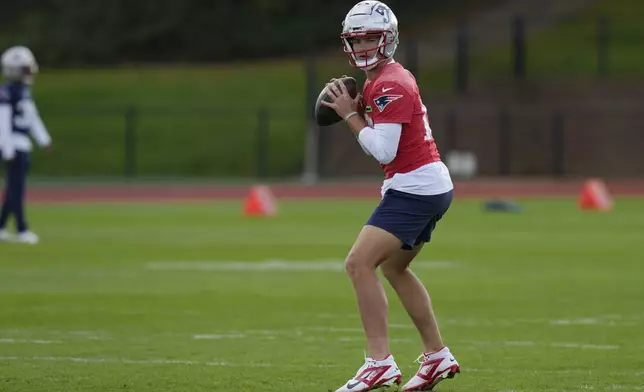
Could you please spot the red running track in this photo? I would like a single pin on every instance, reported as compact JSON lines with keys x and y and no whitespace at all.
{"x":493,"y":188}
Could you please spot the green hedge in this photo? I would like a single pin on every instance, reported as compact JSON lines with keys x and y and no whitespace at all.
{"x":188,"y":121}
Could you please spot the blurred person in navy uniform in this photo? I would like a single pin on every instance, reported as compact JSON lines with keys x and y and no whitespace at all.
{"x":19,"y":120}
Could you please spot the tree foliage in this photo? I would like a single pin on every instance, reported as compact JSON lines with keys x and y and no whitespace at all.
{"x":68,"y":32}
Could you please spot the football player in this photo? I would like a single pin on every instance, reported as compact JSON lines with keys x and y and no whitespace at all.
{"x":19,"y":119}
{"x":416,"y":193}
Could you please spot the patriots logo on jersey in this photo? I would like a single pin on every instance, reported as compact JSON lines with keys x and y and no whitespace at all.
{"x":384,"y":100}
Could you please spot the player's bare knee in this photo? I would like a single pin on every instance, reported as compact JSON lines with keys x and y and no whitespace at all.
{"x":352,"y":265}
{"x":357,"y":265}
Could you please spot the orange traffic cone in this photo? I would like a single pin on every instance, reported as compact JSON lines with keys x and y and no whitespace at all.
{"x":595,"y":196}
{"x":260,"y":202}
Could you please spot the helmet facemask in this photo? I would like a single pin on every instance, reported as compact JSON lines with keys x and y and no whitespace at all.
{"x":19,"y":64}
{"x":383,"y":49}
{"x":24,"y":74}
{"x":369,"y":19}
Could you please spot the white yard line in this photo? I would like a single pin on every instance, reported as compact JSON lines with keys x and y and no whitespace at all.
{"x":184,"y":362}
{"x":219,"y":336}
{"x":75,"y":335}
{"x":529,"y":343}
{"x":585,"y":346}
{"x":306,"y":333}
{"x":332,"y":265}
{"x":28,"y":341}
{"x":153,"y":361}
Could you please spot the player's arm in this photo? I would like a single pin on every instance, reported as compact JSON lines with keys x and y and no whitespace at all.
{"x":380,"y":141}
{"x":394,"y":109}
{"x":37,"y":128}
{"x":356,"y":122}
{"x":363,"y":147}
{"x":6,"y":142}
{"x":392,"y":106}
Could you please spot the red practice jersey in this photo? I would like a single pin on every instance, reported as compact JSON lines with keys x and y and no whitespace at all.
{"x":393,"y":97}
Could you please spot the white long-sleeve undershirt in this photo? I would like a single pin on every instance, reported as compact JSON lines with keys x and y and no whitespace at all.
{"x":381,"y":141}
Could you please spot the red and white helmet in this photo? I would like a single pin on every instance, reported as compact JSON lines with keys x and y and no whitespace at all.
{"x":370,"y":18}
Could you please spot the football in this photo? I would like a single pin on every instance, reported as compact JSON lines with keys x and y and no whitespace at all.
{"x":324,"y":115}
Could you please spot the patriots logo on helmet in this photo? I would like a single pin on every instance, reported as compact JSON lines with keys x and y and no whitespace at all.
{"x":383,"y":11}
{"x":384,"y":100}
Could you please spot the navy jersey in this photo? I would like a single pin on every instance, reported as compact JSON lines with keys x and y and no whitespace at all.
{"x":16,"y":95}
{"x":19,"y":119}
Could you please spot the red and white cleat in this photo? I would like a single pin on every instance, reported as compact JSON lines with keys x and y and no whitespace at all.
{"x":373,"y":375}
{"x":434,"y":368}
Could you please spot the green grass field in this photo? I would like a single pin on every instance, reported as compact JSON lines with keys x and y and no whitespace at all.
{"x":180,"y":297}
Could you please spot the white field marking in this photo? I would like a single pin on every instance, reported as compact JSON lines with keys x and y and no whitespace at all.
{"x":585,"y":346}
{"x":520,"y":321}
{"x":266,"y":265}
{"x":473,"y":322}
{"x":182,"y":362}
{"x":73,"y":335}
{"x":349,"y":339}
{"x":64,"y":309}
{"x":581,"y":321}
{"x":302,"y":333}
{"x":603,"y":321}
{"x":528,"y":343}
{"x":335,"y":329}
{"x":123,"y":361}
{"x":299,"y":332}
{"x":305,"y":334}
{"x":332,"y":265}
{"x":29,"y":341}
{"x":72,"y":272}
{"x":587,"y":372}
{"x":126,"y":361}
{"x":265,"y":332}
{"x":87,"y":334}
{"x":343,"y":316}
{"x":342,"y":339}
{"x":219,"y":336}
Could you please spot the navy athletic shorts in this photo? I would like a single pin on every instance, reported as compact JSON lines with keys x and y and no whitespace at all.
{"x":411,"y":218}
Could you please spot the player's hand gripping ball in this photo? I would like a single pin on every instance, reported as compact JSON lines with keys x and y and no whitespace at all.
{"x":338,"y":98}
